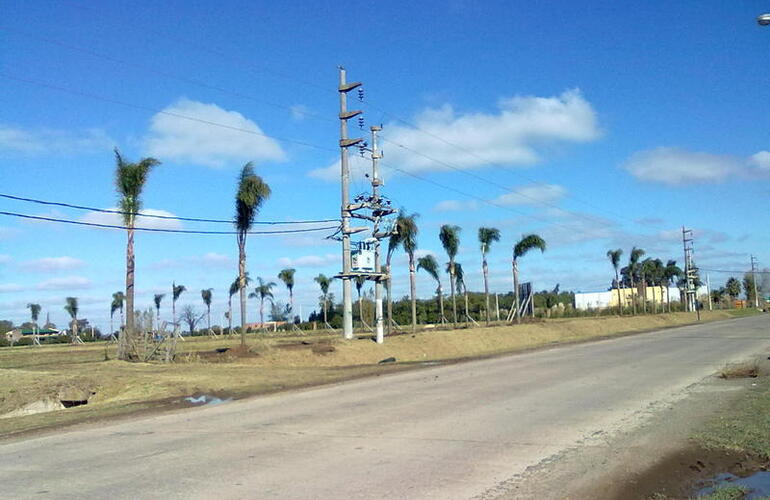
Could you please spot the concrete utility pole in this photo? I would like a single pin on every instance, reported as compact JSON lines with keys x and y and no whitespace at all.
{"x":345,"y":143}
{"x":754,"y":279}
{"x":376,"y":183}
{"x":690,"y":271}
{"x":708,"y":289}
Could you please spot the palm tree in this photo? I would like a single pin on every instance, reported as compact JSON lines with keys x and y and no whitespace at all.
{"x":176,"y":291}
{"x":633,"y":270}
{"x":394,"y":241}
{"x":129,"y":180}
{"x":653,"y":270}
{"x":113,"y":307}
{"x":119,"y":298}
{"x":429,"y":264}
{"x":287,"y":276}
{"x":34,"y":312}
{"x":407,"y":228}
{"x":525,"y":244}
{"x":324,"y":283}
{"x":614,"y":256}
{"x":360,"y":281}
{"x":252,"y":192}
{"x":486,"y":236}
{"x":264,"y":290}
{"x":71,"y":307}
{"x":232,"y":291}
{"x":450,"y":240}
{"x":206,"y":296}
{"x":670,"y":272}
{"x":460,"y":286}
{"x":157,"y":299}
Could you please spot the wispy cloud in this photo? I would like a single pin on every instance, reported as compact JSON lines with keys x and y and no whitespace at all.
{"x":45,"y":141}
{"x":519,"y":133}
{"x":52,"y":264}
{"x":174,"y":136}
{"x":66,"y":283}
{"x":535,"y":194}
{"x":310,"y":260}
{"x":149,"y":222}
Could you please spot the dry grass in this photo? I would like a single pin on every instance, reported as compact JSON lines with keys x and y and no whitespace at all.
{"x":274,"y":363}
{"x":740,"y":370}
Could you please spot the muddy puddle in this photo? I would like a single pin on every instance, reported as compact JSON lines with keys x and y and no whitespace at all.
{"x":205,"y":400}
{"x":756,"y":485}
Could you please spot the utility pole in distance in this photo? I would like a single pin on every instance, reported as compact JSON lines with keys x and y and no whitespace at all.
{"x":690,"y":272}
{"x":345,"y":143}
{"x":754,"y":279}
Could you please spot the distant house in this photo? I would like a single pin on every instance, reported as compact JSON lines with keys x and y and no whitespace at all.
{"x":17,"y":333}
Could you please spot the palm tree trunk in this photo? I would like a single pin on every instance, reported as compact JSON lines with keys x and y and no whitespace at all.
{"x":452,"y":289}
{"x":517,"y":299}
{"x":486,"y":286}
{"x":441,"y":303}
{"x":291,"y":306}
{"x":326,"y":321}
{"x":242,"y":288}
{"x":388,"y":298}
{"x":644,"y":295}
{"x":127,"y":335}
{"x":413,"y":292}
{"x":633,"y":296}
{"x":467,"y":314}
{"x":360,"y":310}
{"x":208,"y":320}
{"x":111,"y":328}
{"x":230,"y":316}
{"x":668,"y":298}
{"x":262,"y":312}
{"x":157,"y":320}
{"x":617,"y":284}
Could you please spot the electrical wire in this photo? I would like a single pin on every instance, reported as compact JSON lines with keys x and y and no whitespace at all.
{"x":159,"y":230}
{"x":154,"y":216}
{"x":749,"y":271}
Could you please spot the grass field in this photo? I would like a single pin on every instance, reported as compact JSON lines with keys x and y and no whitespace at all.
{"x":274,"y":363}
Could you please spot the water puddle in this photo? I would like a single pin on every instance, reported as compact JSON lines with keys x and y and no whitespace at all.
{"x":205,"y":399}
{"x":756,"y":485}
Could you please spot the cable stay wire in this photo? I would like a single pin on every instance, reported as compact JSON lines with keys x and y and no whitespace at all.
{"x":155,"y":216}
{"x":166,"y":74}
{"x":160,"y":230}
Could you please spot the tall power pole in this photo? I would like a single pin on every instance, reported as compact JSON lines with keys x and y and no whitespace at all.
{"x":690,"y":271}
{"x":345,"y":143}
{"x":754,"y":279}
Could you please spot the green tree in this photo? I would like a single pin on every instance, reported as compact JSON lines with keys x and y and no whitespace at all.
{"x":614,"y":256}
{"x":176,"y":291}
{"x":634,"y":268}
{"x":487,"y":235}
{"x":129,"y":180}
{"x":71,"y":306}
{"x":324,"y":283}
{"x":524,"y":245}
{"x":749,"y":289}
{"x":157,"y":299}
{"x":287,"y":276}
{"x":733,"y":288}
{"x":263,"y":291}
{"x":251,"y":194}
{"x":407,"y":229}
{"x":118,"y":299}
{"x":232,"y":291}
{"x":34,"y":312}
{"x":114,"y":306}
{"x":460,"y":286}
{"x":206,"y":295}
{"x":671,"y":273}
{"x":450,"y":240}
{"x":429,"y":265}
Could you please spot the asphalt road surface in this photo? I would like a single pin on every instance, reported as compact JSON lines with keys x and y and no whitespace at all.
{"x":456,"y":431}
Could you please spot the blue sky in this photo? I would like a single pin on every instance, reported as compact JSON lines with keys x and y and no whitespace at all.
{"x":600,"y":125}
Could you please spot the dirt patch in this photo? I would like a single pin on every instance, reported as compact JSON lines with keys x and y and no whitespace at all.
{"x":740,"y":370}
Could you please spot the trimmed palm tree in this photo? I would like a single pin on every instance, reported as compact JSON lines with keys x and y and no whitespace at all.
{"x":119,"y":298}
{"x":176,"y":291}
{"x":450,"y":240}
{"x":461,"y":288}
{"x":71,"y":306}
{"x":614,"y":256}
{"x":206,"y":295}
{"x":34,"y":312}
{"x":263,"y":291}
{"x":157,"y":299}
{"x":113,"y":307}
{"x":324,"y":283}
{"x":670,"y":272}
{"x":407,"y":228}
{"x":525,"y":244}
{"x":634,"y":267}
{"x":394,"y":241}
{"x":129,"y":181}
{"x":252,"y":193}
{"x":429,"y":265}
{"x":287,"y":276}
{"x":232,"y":291}
{"x":360,"y":281}
{"x":487,"y":235}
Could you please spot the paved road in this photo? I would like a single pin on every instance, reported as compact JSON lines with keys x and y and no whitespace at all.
{"x":446,"y":432}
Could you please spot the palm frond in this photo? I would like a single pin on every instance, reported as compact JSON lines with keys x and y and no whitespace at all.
{"x":527,"y":243}
{"x":487,"y":235}
{"x":206,"y":296}
{"x":429,"y":264}
{"x":252,"y":192}
{"x":614,"y":256}
{"x":177,"y":291}
{"x":287,"y":276}
{"x":450,"y":239}
{"x":157,"y":299}
{"x":71,"y":306}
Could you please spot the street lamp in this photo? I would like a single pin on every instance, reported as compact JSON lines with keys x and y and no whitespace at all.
{"x":763,"y":19}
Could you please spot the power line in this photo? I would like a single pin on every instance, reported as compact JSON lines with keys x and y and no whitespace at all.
{"x":158,"y":230}
{"x":154,"y":216}
{"x":731,"y":272}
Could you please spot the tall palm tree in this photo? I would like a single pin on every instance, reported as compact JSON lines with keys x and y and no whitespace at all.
{"x":264,"y":290}
{"x":394,"y":241}
{"x":34,"y":312}
{"x":633,"y":271}
{"x":252,"y":192}
{"x":119,"y":298}
{"x":232,"y":291}
{"x":324,"y":283}
{"x":157,"y":299}
{"x":206,"y":295}
{"x":429,"y":264}
{"x":670,"y":272}
{"x":113,"y":307}
{"x":71,"y":307}
{"x":487,"y":235}
{"x":176,"y":291}
{"x":287,"y":276}
{"x":450,"y":240}
{"x":460,"y":286}
{"x":525,"y":244}
{"x":407,"y":228}
{"x":129,"y":181}
{"x":614,"y":256}
{"x":360,"y":281}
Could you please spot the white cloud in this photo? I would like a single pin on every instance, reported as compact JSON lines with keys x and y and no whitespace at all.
{"x":299,"y":111}
{"x":52,"y":264}
{"x":311,"y":260}
{"x":456,"y":205}
{"x":5,"y":259}
{"x":148,"y":222}
{"x":535,"y":194}
{"x":212,"y":259}
{"x":761,"y":161}
{"x":10,"y":288}
{"x":37,"y":142}
{"x":173,"y":137}
{"x":516,"y":134}
{"x":66,"y":283}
